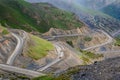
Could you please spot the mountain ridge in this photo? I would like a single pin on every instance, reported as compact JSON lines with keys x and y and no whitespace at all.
{"x":34,"y":17}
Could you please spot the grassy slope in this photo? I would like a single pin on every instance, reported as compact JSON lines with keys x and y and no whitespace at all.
{"x":37,"y":17}
{"x":38,"y":47}
{"x":3,"y":31}
{"x":117,"y":41}
{"x":93,"y":18}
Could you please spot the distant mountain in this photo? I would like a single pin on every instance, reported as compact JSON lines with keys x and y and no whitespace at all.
{"x":93,"y":4}
{"x":35,"y":17}
{"x":94,"y":18}
{"x":113,"y":10}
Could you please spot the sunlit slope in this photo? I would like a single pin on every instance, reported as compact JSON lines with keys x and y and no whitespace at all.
{"x":37,"y":48}
{"x":94,"y":18}
{"x":35,"y":17}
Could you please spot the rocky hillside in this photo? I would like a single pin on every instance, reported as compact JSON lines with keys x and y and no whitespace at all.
{"x":7,"y":44}
{"x":33,"y":54}
{"x":104,"y":70}
{"x":94,"y":18}
{"x":35,"y":17}
{"x":57,"y":32}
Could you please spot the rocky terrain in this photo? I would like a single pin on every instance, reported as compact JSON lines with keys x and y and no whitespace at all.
{"x":94,"y":18}
{"x":7,"y":44}
{"x":86,"y":39}
{"x":56,"y":32}
{"x":57,"y":44}
{"x":103,"y":70}
{"x":92,"y":39}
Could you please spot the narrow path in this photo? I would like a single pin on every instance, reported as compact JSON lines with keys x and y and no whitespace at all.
{"x":17,"y":50}
{"x":111,"y":51}
{"x":108,"y":41}
{"x":20,"y":70}
{"x":116,"y":33}
{"x":60,"y":53}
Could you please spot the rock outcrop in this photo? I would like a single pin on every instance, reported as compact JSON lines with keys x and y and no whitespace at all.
{"x":105,"y":70}
{"x":7,"y":45}
{"x":56,"y":32}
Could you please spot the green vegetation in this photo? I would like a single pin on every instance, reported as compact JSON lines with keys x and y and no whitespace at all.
{"x":117,"y":42}
{"x":44,"y":78}
{"x":38,"y":17}
{"x":70,"y":43}
{"x":87,"y":56}
{"x":38,"y":47}
{"x":3,"y":31}
{"x":87,"y":38}
{"x":91,"y":55}
{"x":65,"y":76}
{"x":22,"y":77}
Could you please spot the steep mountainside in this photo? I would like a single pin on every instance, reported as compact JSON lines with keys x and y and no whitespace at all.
{"x":113,"y":10}
{"x":94,"y":18}
{"x":35,"y":17}
{"x":104,"y":70}
{"x":32,"y":49}
{"x":7,"y":44}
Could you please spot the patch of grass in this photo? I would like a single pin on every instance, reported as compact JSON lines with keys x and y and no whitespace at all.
{"x":70,"y":43}
{"x":38,"y":47}
{"x":91,"y":55}
{"x":117,"y":41}
{"x":44,"y":78}
{"x":67,"y":75}
{"x":23,"y":77}
{"x":3,"y":30}
{"x":85,"y":59}
{"x":39,"y":17}
{"x":87,"y":38}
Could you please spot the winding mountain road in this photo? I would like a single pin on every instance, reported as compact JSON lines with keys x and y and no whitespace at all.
{"x":107,"y":42}
{"x":99,"y":45}
{"x":60,"y":36}
{"x":20,"y":70}
{"x":111,"y":51}
{"x":59,"y":52}
{"x":17,"y":50}
{"x":116,"y":33}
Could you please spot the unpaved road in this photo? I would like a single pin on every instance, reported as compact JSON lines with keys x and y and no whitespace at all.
{"x":59,"y":52}
{"x":17,"y":50}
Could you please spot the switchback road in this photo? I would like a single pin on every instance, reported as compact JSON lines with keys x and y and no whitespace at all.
{"x":59,"y":52}
{"x":17,"y":50}
{"x":20,"y":70}
{"x":99,"y":45}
